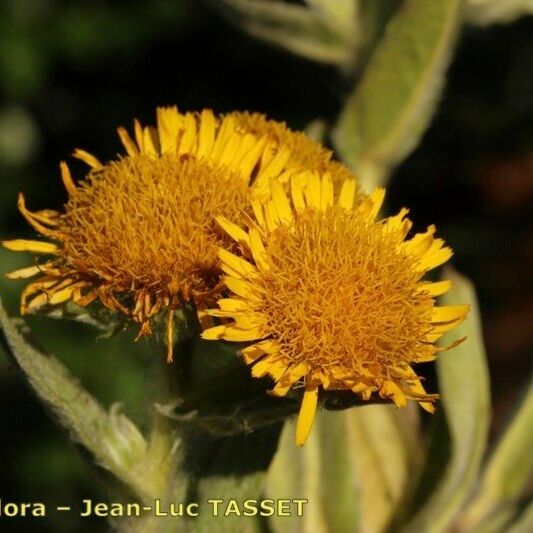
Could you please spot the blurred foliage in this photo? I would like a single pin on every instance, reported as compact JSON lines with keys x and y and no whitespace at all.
{"x":38,"y":35}
{"x":323,"y":31}
{"x":484,"y":12}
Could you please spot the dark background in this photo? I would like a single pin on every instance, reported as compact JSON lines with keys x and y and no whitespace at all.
{"x":71,"y":72}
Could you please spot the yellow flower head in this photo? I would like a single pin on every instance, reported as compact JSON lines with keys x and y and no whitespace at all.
{"x":331,"y":298}
{"x":138,"y":233}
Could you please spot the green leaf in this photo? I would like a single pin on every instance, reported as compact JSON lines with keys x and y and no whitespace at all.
{"x":339,"y":14}
{"x":392,"y":105}
{"x":485,"y":12}
{"x":465,"y":390}
{"x":374,"y":17}
{"x":524,"y":524}
{"x":300,"y":30}
{"x":509,"y":468}
{"x":386,"y":454}
{"x":322,"y":473}
{"x":112,"y":439}
{"x":352,"y":470}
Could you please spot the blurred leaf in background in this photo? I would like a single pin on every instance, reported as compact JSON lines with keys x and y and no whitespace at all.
{"x":323,"y":31}
{"x":484,"y":12}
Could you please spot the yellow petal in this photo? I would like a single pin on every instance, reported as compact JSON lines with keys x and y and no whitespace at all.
{"x":170,"y":336}
{"x":289,"y":378}
{"x":420,"y":243}
{"x":228,"y":156}
{"x":235,"y":334}
{"x":432,"y":337}
{"x":240,"y":288}
{"x":252,"y":156}
{"x":285,"y":177}
{"x":435,"y":256}
{"x":222,"y":314}
{"x":139,"y":135}
{"x":278,"y":369}
{"x":373,"y":203}
{"x":297,"y":194}
{"x":258,"y":250}
{"x":254,"y":352}
{"x":261,"y":368}
{"x":239,"y":267}
{"x":347,"y":194}
{"x":325,"y":378}
{"x":427,"y":406}
{"x":60,"y":296}
{"x":399,"y":223}
{"x":389,"y":389}
{"x":258,"y":213}
{"x":448,"y":313}
{"x":249,"y":320}
{"x":271,"y":216}
{"x":437,"y":288}
{"x":312,"y":191}
{"x":307,"y":414}
{"x":88,"y":158}
{"x":127,"y":142}
{"x":281,"y":202}
{"x":326,"y":192}
{"x":225,"y":132}
{"x":168,"y":126}
{"x":48,"y":216}
{"x":151,"y":143}
{"x":35,"y":303}
{"x":443,"y":327}
{"x":85,"y":299}
{"x":232,"y":304}
{"x":416,"y":385}
{"x":24,"y":273}
{"x":214,"y":333}
{"x":206,"y":135}
{"x":189,"y":136}
{"x":274,"y":167}
{"x":377,"y":197}
{"x":363,"y":387}
{"x":234,"y":231}
{"x":366,"y":393}
{"x":22,"y":245}
{"x":33,"y":220}
{"x":66,"y":177}
{"x":40,"y":285}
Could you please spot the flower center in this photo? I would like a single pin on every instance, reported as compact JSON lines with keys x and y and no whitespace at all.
{"x":149,"y":222}
{"x":341,"y":293}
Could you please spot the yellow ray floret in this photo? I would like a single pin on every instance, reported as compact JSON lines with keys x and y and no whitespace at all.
{"x":331,"y":298}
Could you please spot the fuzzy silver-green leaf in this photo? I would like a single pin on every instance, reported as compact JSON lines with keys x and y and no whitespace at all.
{"x":465,"y":390}
{"x":390,"y":108}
